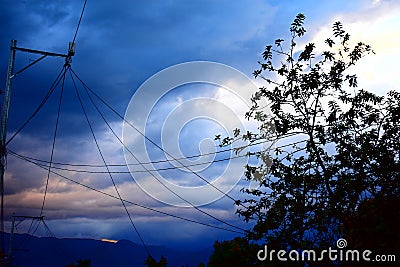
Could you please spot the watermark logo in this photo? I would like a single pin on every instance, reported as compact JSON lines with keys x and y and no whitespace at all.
{"x":169,"y":130}
{"x":341,"y":243}
{"x":340,"y":254}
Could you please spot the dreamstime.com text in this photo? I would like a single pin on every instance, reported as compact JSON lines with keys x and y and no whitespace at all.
{"x":333,"y":254}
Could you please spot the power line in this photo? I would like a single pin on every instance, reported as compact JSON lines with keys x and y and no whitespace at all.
{"x":126,"y":201}
{"x":29,"y":234}
{"x":168,"y":160}
{"x":47,"y":229}
{"x":51,"y":163}
{"x":152,"y":162}
{"x":44,"y":100}
{"x":54,"y":142}
{"x":104,"y":161}
{"x":79,"y":22}
{"x":125,"y":172}
{"x":148,"y":139}
{"x":151,"y":173}
{"x":46,"y":163}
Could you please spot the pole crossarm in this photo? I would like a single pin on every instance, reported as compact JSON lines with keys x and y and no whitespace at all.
{"x":13,"y":227}
{"x":40,"y":52}
{"x":29,"y":217}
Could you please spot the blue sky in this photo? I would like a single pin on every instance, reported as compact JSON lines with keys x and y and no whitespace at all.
{"x":118,"y":47}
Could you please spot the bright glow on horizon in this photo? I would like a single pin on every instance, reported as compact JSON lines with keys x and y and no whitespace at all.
{"x":109,"y":240}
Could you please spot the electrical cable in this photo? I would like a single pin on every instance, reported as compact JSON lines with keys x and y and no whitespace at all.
{"x":151,"y":141}
{"x":44,"y":100}
{"x":28,"y":235}
{"x":79,"y":22}
{"x":109,"y":107}
{"x":150,"y":162}
{"x":47,"y":229}
{"x":127,"y":201}
{"x":127,"y":172}
{"x":37,"y":227}
{"x":54,"y":142}
{"x":151,"y":173}
{"x":104,"y":161}
{"x":41,"y":162}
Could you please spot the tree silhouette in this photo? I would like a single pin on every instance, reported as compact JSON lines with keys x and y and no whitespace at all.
{"x":237,"y":252}
{"x":336,"y":146}
{"x":80,"y":263}
{"x":151,"y":262}
{"x":375,"y":226}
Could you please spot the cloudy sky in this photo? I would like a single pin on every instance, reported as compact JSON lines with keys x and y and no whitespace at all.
{"x":119,"y":46}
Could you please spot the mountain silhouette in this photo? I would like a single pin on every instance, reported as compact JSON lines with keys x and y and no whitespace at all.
{"x":54,"y":252}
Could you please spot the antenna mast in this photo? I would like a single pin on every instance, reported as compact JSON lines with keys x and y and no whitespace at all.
{"x":4,"y":116}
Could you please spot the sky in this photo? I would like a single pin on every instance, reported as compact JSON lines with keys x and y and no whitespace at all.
{"x":119,"y":47}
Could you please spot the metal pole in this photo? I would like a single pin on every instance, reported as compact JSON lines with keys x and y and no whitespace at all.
{"x":3,"y":132}
{"x":4,"y":118}
{"x":9,"y":258}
